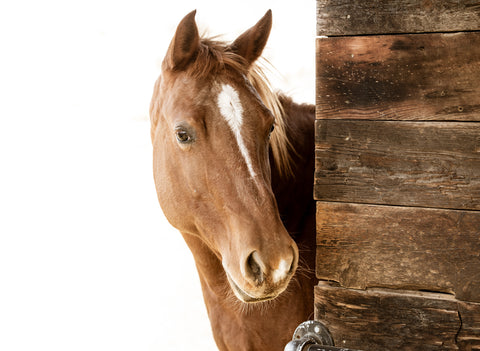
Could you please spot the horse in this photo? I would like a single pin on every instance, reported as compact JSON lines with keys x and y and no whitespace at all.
{"x":233,"y":165}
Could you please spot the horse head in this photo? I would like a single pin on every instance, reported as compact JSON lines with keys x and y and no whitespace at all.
{"x":211,"y":132}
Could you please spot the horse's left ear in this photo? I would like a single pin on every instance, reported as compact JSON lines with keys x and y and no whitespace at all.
{"x":251,"y":43}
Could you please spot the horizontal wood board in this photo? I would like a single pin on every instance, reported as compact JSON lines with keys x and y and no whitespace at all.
{"x":361,"y":246}
{"x":383,"y":320}
{"x":399,"y":77}
{"x":426,"y":164}
{"x":360,"y":17}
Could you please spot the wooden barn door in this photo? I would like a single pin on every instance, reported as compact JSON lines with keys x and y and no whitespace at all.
{"x":398,"y":173}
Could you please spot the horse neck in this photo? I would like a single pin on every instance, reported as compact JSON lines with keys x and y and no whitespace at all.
{"x":300,"y":128}
{"x":215,"y":289}
{"x":294,"y":193}
{"x":300,"y":123}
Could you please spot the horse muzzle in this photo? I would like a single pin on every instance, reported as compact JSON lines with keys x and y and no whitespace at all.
{"x":262,"y":281}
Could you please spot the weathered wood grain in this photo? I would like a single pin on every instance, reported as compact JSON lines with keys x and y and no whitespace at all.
{"x":398,"y":107}
{"x":468,"y":337}
{"x":427,"y":164}
{"x":383,"y":320}
{"x":399,"y":77}
{"x":361,"y":246}
{"x":360,"y":17}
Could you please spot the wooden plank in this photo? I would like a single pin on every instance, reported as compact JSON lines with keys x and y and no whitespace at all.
{"x":427,"y":164}
{"x":358,"y":17}
{"x":399,"y":77}
{"x":361,"y":246}
{"x":380,"y":319}
{"x":387,"y":320}
{"x":469,"y":336}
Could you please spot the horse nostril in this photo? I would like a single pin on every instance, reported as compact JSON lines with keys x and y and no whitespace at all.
{"x":254,"y":269}
{"x":294,"y":264}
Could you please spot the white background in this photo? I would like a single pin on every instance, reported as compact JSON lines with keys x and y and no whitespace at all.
{"x":87,"y":261}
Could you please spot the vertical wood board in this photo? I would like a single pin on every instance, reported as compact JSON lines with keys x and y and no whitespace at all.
{"x":468,"y":337}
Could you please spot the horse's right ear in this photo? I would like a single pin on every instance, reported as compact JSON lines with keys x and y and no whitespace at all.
{"x":184,"y":46}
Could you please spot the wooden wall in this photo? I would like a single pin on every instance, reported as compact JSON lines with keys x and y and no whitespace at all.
{"x":398,"y":173}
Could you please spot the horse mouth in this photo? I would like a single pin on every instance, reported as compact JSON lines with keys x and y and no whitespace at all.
{"x":242,"y":295}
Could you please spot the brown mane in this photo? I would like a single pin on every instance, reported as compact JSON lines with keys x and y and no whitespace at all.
{"x":215,"y":56}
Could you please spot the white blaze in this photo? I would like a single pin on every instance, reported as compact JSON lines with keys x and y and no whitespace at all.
{"x":231,"y":109}
{"x":281,"y":272}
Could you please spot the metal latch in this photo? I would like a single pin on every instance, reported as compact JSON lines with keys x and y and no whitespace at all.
{"x":312,"y":336}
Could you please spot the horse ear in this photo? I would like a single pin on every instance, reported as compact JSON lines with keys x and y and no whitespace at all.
{"x":185,"y":44}
{"x":251,"y":43}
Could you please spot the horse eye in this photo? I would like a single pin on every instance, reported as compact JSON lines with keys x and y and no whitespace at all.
{"x":183,"y":136}
{"x":272,"y":128}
